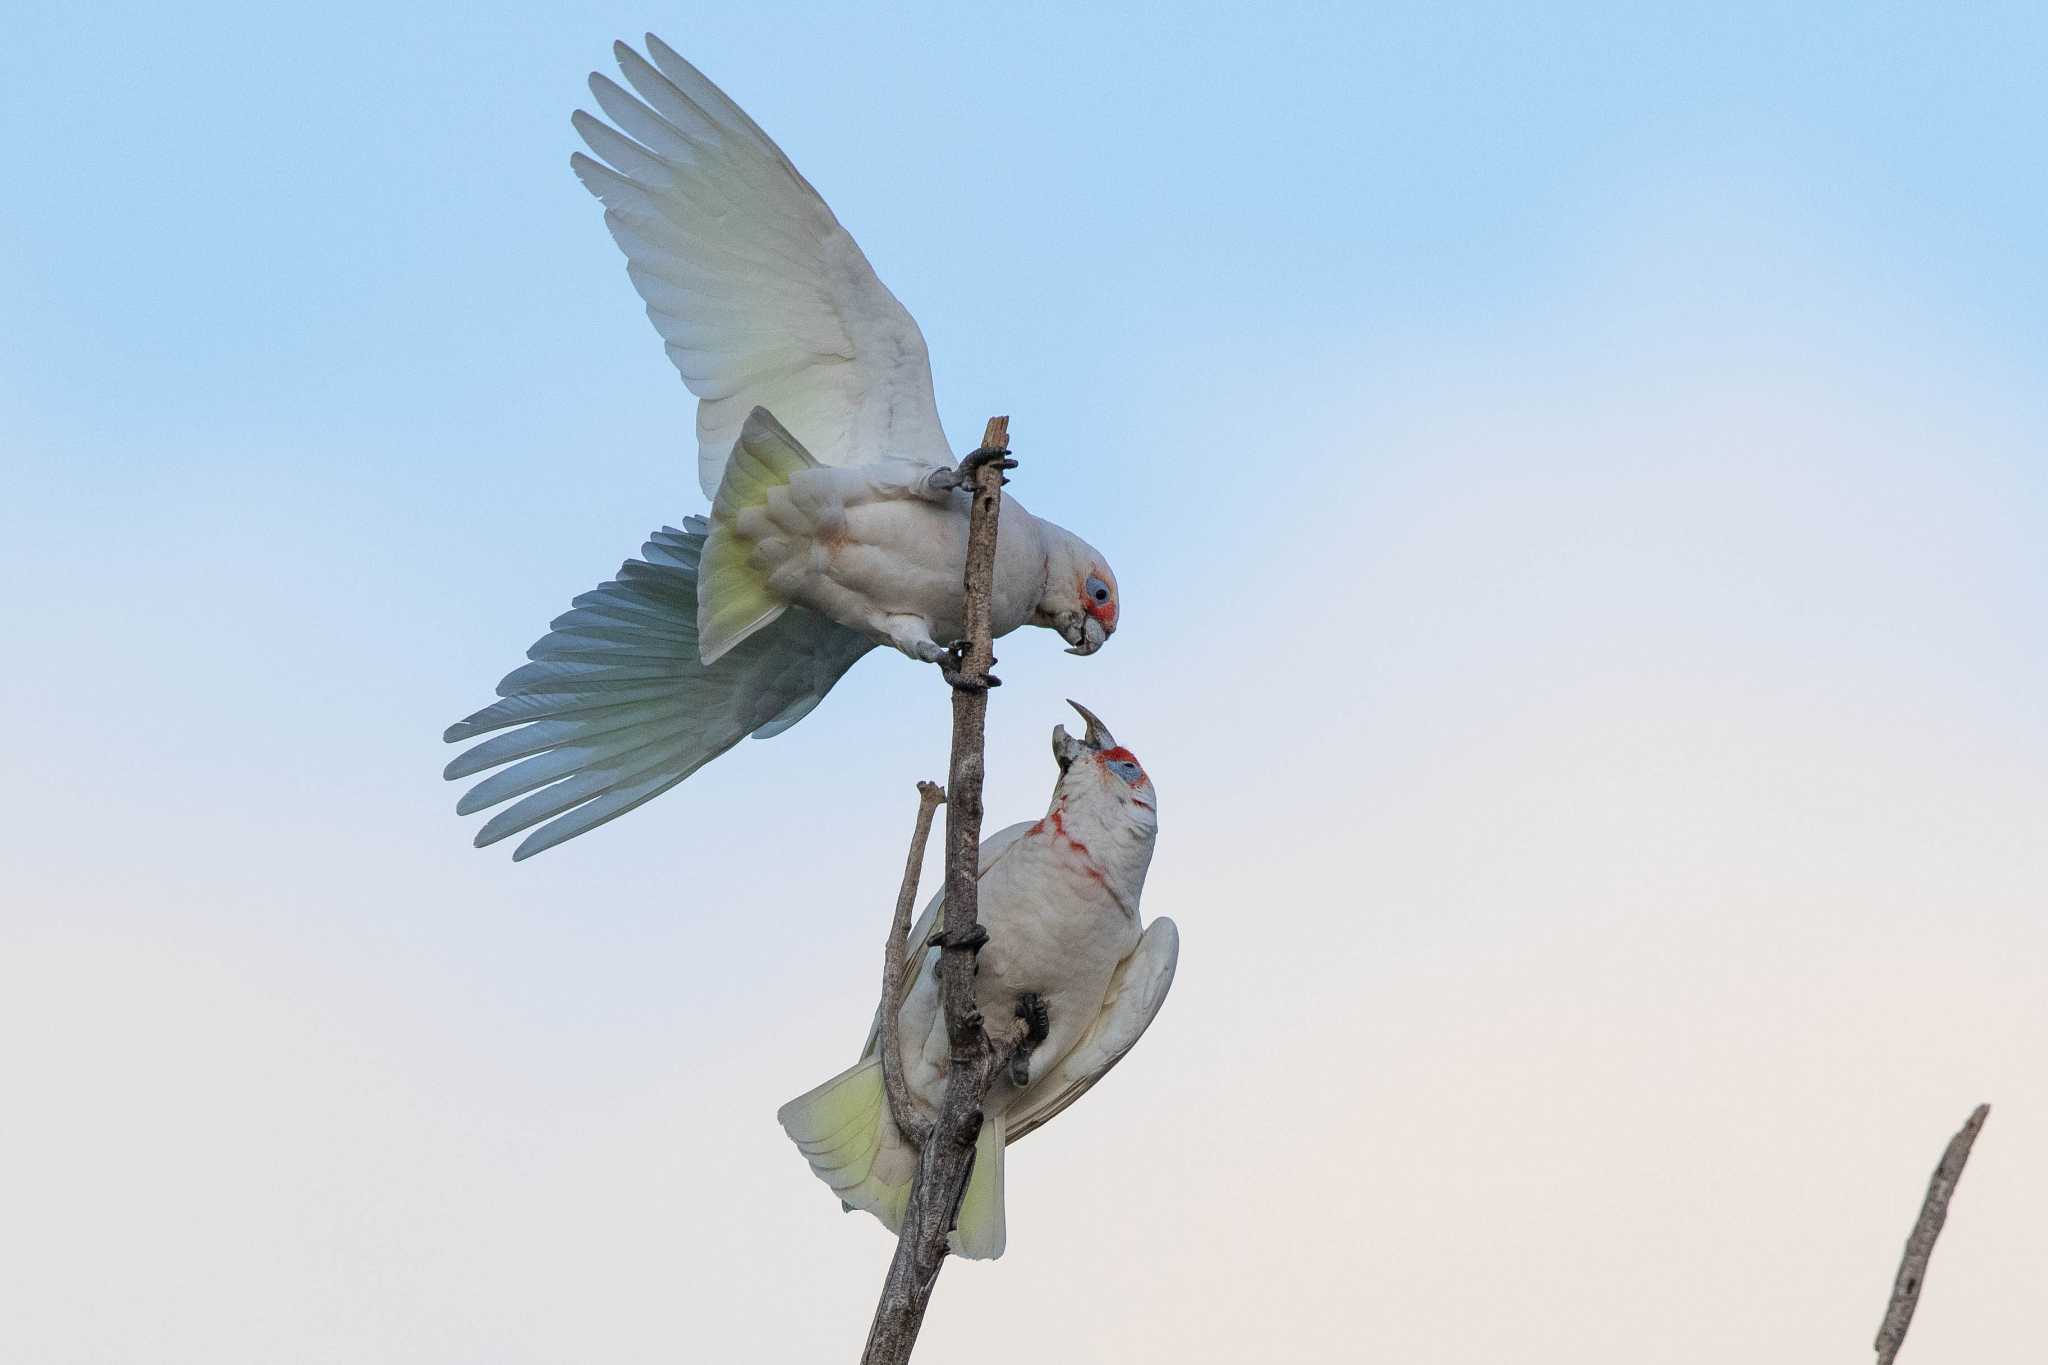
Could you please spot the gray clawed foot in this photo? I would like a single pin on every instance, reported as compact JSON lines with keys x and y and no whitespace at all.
{"x":974,"y":940}
{"x":952,"y":666}
{"x":1037,"y":1025}
{"x":962,"y":475}
{"x":1037,"y":1020}
{"x":976,"y":459}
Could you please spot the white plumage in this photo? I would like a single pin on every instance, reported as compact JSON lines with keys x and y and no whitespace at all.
{"x":835,"y":526}
{"x":763,"y":298}
{"x":1059,"y":899}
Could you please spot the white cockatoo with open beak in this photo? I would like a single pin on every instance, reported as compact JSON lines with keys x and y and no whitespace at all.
{"x":838,"y":516}
{"x":1066,"y":951}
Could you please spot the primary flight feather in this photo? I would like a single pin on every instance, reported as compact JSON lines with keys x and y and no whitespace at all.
{"x":838,"y":518}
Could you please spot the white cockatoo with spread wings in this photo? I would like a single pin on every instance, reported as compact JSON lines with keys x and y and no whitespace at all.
{"x":838,"y":515}
{"x":1066,"y":951}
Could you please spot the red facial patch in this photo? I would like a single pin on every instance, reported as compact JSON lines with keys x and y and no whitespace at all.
{"x":1104,"y":612}
{"x":1123,"y":755}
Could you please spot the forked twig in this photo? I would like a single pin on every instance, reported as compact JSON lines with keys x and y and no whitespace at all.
{"x":910,"y":1120}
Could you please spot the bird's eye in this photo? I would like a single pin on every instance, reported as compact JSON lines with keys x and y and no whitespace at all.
{"x":1098,"y":590}
{"x":1127,"y":770}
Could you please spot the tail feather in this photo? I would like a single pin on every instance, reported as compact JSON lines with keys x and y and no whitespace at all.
{"x":733,"y":597}
{"x":616,"y":707}
{"x":979,"y":1230}
{"x":845,"y":1131}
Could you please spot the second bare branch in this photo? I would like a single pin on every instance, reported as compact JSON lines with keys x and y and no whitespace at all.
{"x":1920,"y":1244}
{"x":910,"y":1120}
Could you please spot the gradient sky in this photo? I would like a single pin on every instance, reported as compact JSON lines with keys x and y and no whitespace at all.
{"x":1578,"y":486}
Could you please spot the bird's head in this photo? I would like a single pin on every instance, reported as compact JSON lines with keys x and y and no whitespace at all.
{"x":1098,"y":772}
{"x":1080,"y":599}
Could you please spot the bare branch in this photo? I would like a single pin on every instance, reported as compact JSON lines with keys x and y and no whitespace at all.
{"x":946,"y":1159}
{"x":910,"y":1121}
{"x":1920,"y":1245}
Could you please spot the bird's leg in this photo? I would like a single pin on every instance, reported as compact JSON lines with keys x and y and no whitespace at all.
{"x":1037,"y":1024}
{"x":940,"y":482}
{"x":912,"y":635}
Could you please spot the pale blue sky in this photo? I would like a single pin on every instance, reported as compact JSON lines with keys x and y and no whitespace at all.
{"x":1577,"y":482}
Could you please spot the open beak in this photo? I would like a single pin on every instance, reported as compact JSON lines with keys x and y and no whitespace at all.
{"x":1065,"y":748}
{"x":1083,"y":634}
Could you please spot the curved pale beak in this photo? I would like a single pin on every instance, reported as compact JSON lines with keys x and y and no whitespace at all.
{"x":1098,"y":736}
{"x":1065,"y":748}
{"x":1083,"y":634}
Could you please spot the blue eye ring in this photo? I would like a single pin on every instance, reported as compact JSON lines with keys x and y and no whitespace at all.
{"x":1097,"y":589}
{"x":1127,"y":770}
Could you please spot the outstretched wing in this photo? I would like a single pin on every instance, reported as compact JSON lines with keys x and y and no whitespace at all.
{"x":1135,"y":993}
{"x":615,"y":707}
{"x":763,"y":298}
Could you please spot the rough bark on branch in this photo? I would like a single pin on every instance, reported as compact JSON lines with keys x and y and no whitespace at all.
{"x":1920,"y":1244}
{"x":946,"y":1154}
{"x":910,"y":1120}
